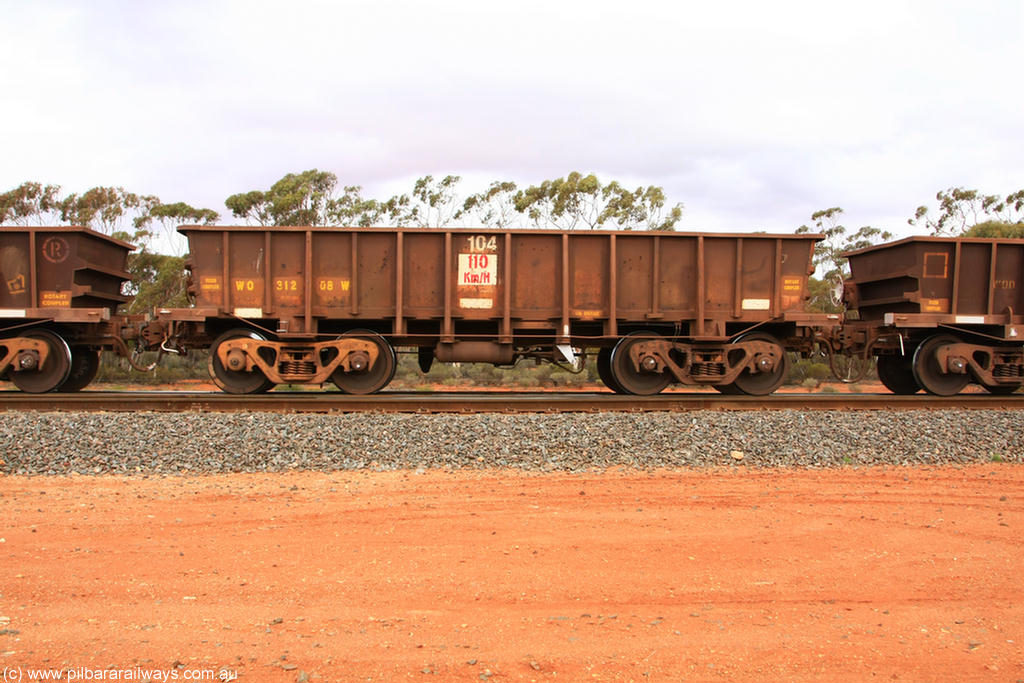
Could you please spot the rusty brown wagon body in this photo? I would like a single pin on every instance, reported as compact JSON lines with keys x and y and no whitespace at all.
{"x":939,"y":313}
{"x":60,"y":290}
{"x":309,"y":305}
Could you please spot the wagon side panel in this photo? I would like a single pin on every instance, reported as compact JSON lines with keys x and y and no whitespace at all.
{"x":17,"y":291}
{"x":634,"y":265}
{"x":207,"y":263}
{"x":589,"y":285}
{"x":424,"y":275}
{"x":61,"y":268}
{"x":726,"y":279}
{"x":677,"y":279}
{"x":375,"y":281}
{"x":331,"y":280}
{"x":1007,"y":285}
{"x":246,"y":274}
{"x":536,"y":277}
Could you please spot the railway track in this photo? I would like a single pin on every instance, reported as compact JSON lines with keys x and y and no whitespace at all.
{"x":484,"y":402}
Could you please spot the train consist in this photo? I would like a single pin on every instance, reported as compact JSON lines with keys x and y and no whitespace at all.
{"x":310,"y":305}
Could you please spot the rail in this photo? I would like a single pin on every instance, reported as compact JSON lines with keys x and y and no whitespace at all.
{"x":503,"y":402}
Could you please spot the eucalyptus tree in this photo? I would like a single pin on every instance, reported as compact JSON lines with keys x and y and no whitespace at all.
{"x":960,"y":209}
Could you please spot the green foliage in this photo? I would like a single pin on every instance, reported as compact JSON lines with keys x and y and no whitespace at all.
{"x":822,"y":295}
{"x":351,"y":209}
{"x":112,"y":210}
{"x":805,"y":370}
{"x":30,"y":203}
{"x":830,"y":265}
{"x":583,"y":201}
{"x":562,"y":203}
{"x":638,"y":210}
{"x":169,"y":216}
{"x":311,"y":198}
{"x":960,"y":209}
{"x":305,"y":198}
{"x":525,"y":374}
{"x":432,"y":204}
{"x":828,"y":253}
{"x":172,"y":368}
{"x":996,"y":229}
{"x":157,"y":281}
{"x":492,"y":207}
{"x":251,"y":206}
{"x":180,"y":213}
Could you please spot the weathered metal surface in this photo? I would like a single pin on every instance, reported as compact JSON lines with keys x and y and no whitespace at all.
{"x":459,"y":284}
{"x":48,"y":269}
{"x":497,"y":296}
{"x":59,"y":292}
{"x":939,"y":312}
{"x":311,"y":402}
{"x":924,"y":281}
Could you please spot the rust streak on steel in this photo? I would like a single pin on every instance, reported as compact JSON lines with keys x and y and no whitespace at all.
{"x":485,"y":402}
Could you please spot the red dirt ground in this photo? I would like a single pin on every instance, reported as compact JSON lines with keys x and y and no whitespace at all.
{"x":797,"y":575}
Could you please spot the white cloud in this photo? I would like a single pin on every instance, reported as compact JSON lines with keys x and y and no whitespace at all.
{"x":753,"y":114}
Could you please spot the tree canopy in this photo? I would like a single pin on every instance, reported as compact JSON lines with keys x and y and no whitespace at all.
{"x":996,"y":229}
{"x":296,"y":199}
{"x":961,"y":209}
{"x":583,"y":201}
{"x":575,"y":201}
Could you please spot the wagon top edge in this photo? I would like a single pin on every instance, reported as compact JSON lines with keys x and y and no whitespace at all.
{"x":935,"y":240}
{"x":495,"y":231}
{"x":76,"y":229}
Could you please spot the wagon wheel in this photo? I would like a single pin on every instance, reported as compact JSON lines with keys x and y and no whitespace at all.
{"x":762,"y":383}
{"x":896,"y":373}
{"x":604,"y":370}
{"x":52,"y":373}
{"x":928,"y":373}
{"x":363,"y":379}
{"x":85,"y":365}
{"x":624,"y":373}
{"x":237,"y":381}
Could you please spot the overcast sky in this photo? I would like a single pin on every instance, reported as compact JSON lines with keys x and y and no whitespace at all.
{"x":753,"y":114}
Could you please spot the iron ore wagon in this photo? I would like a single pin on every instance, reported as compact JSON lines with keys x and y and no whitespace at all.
{"x":60,"y":288}
{"x":939,"y":313}
{"x":316,"y":304}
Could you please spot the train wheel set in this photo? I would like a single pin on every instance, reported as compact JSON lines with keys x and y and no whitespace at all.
{"x":304,"y":305}
{"x":642,"y":363}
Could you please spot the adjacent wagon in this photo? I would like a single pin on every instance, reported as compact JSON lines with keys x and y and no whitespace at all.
{"x":59,"y":294}
{"x":939,"y":313}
